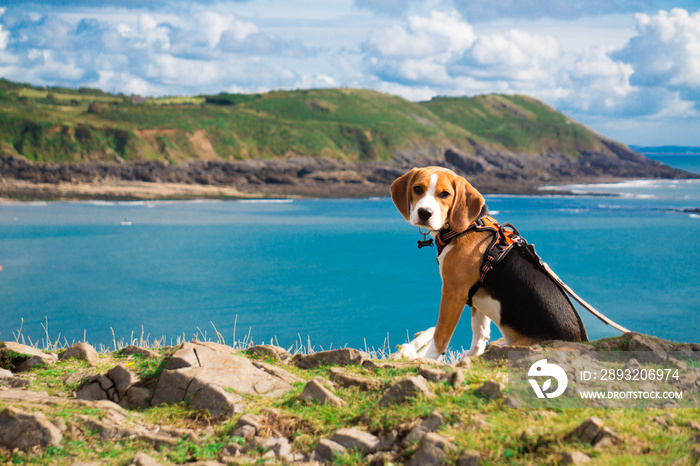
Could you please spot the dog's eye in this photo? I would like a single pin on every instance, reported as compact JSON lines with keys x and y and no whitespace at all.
{"x":444,"y":195}
{"x":418,"y":189}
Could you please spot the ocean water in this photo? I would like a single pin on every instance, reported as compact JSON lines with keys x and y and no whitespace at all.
{"x":332,"y":272}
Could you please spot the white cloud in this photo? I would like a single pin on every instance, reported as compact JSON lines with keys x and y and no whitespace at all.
{"x":440,"y":35}
{"x":451,"y":59}
{"x":444,"y":51}
{"x":204,"y":51}
{"x":4,"y":35}
{"x":665,"y":52}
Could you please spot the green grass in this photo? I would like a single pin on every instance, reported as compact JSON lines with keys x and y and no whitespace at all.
{"x":64,"y":125}
{"x":517,"y":123}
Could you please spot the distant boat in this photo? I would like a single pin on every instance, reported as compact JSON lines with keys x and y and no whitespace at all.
{"x":126,"y":221}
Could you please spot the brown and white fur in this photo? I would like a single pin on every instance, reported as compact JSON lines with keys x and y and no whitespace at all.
{"x":524,"y":302}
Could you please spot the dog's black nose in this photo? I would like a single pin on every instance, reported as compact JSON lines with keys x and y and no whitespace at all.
{"x":424,"y":214}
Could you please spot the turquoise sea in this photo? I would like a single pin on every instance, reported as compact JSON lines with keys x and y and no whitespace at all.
{"x":332,"y":272}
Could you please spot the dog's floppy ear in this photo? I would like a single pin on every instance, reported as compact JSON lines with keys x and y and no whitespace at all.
{"x":401,"y":192}
{"x":466,"y":206}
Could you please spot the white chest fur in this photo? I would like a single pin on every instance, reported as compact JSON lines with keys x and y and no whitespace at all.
{"x":441,"y":258}
{"x":484,"y":303}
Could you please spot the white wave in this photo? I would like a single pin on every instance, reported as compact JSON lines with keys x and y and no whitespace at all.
{"x":266,"y":201}
{"x":102,"y":203}
{"x":694,"y":216}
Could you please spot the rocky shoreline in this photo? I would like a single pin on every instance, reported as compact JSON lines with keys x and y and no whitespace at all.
{"x":220,"y":405}
{"x":488,"y":170}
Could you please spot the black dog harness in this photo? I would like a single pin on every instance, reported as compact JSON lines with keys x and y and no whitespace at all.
{"x":505,"y":237}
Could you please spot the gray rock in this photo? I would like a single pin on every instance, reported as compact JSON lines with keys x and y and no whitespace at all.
{"x":91,"y":391}
{"x":105,"y":382}
{"x":383,"y":457}
{"x":81,"y":351}
{"x":137,"y":397}
{"x":457,"y":379}
{"x":233,"y":449}
{"x":407,"y":388}
{"x":387,"y":440}
{"x":469,"y":458}
{"x":123,"y":379}
{"x":575,"y":457}
{"x":497,"y":353}
{"x":26,"y":351}
{"x":246,"y":431}
{"x":249,"y":420}
{"x":242,"y":460}
{"x":142,"y":459}
{"x":276,"y":352}
{"x":640,"y":342}
{"x":434,"y":421}
{"x":328,"y":449}
{"x":434,"y":374}
{"x":78,"y":376}
{"x":491,"y":389}
{"x":415,"y":435}
{"x":134,"y":350}
{"x":278,"y":372}
{"x":25,"y":431}
{"x":433,"y":450}
{"x":589,"y":429}
{"x":594,"y":432}
{"x":606,"y":438}
{"x":33,"y":362}
{"x":203,"y":394}
{"x":5,"y":374}
{"x":345,"y":379}
{"x":464,"y":363}
{"x":278,"y":445}
{"x":572,"y":346}
{"x":339,"y":357}
{"x":651,"y":351}
{"x":212,"y":377}
{"x":315,"y":391}
{"x":427,"y":425}
{"x":355,"y":439}
{"x":119,"y":385}
{"x":325,"y":382}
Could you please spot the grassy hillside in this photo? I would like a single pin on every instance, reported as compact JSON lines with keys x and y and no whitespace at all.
{"x":517,"y":123}
{"x":65,"y":125}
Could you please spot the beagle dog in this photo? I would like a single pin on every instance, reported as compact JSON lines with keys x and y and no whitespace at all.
{"x":519,"y":297}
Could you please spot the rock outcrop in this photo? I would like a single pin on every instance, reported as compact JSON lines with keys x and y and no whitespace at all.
{"x":26,"y":430}
{"x":210,"y":376}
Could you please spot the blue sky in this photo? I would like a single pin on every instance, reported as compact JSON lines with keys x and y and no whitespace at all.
{"x":629,"y":69}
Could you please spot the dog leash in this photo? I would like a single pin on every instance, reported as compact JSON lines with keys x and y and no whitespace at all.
{"x":580,"y":300}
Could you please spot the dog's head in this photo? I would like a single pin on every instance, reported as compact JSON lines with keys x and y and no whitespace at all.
{"x":439,"y":197}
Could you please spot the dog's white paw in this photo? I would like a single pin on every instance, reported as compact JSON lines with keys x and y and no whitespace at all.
{"x":420,"y":346}
{"x":407,"y":351}
{"x":430,"y":352}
